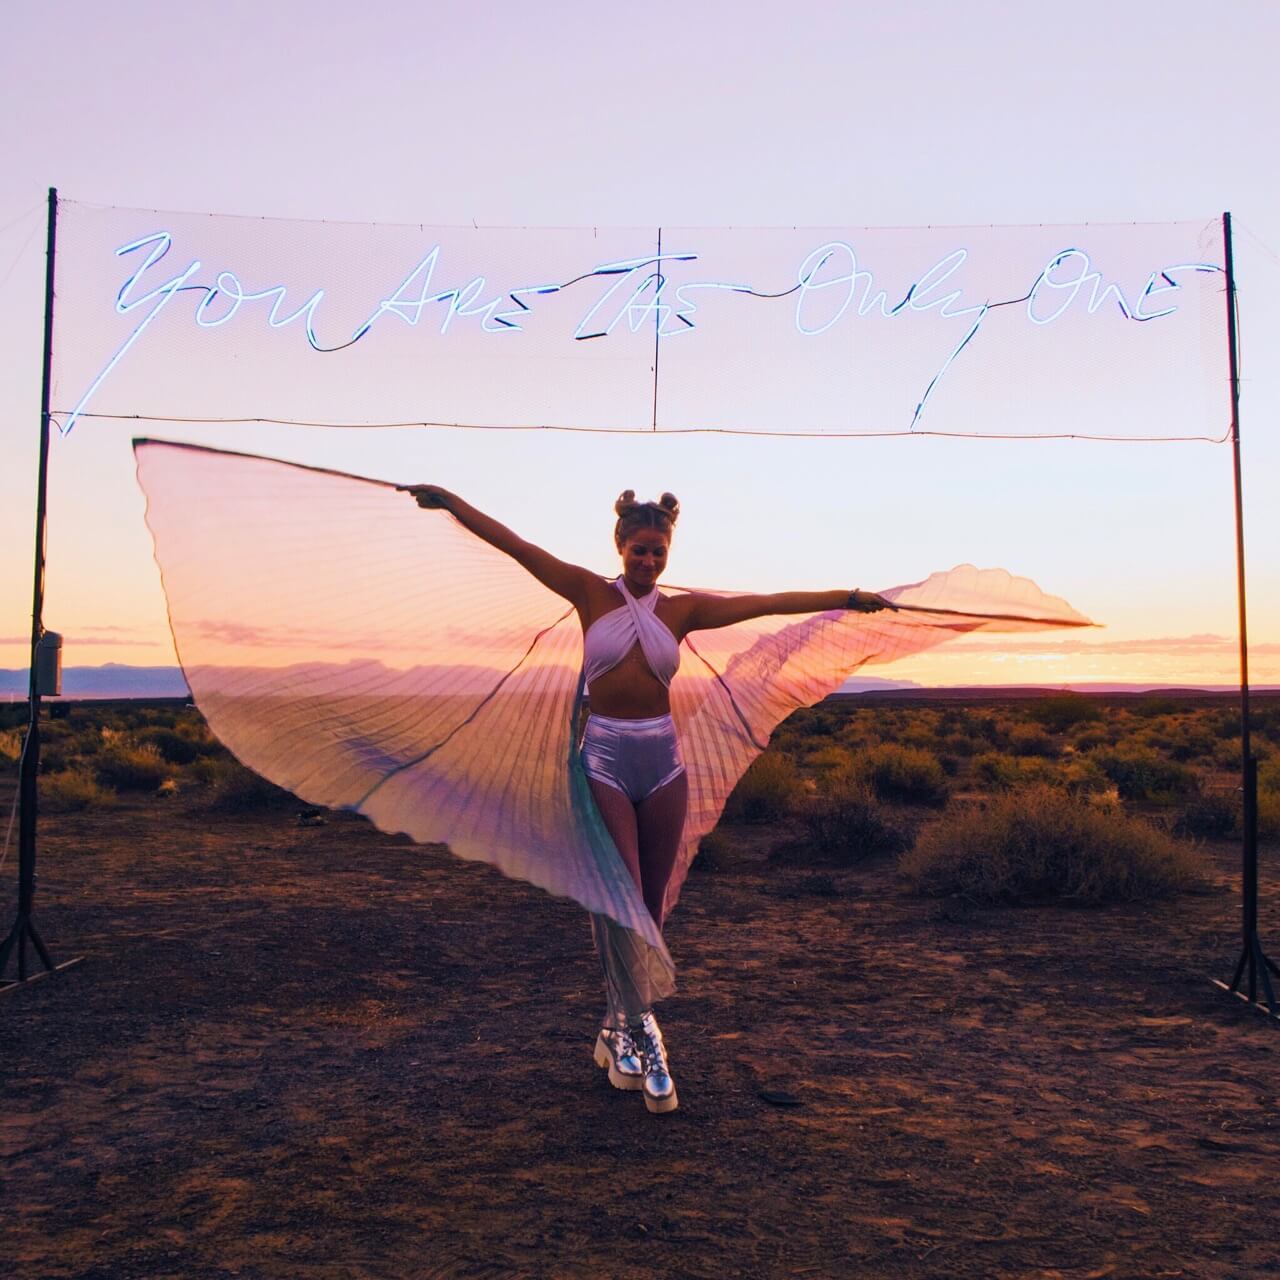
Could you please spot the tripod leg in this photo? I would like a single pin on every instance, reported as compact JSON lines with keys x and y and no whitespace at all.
{"x":39,"y":945}
{"x":1235,"y":977}
{"x":7,"y":947}
{"x":1266,"y":977}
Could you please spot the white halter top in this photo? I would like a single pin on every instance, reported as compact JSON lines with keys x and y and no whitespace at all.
{"x":609,"y":639}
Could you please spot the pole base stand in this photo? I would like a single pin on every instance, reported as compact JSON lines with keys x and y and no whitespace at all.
{"x":14,"y":984}
{"x":24,"y":931}
{"x":1259,"y":968}
{"x":1262,"y":1007}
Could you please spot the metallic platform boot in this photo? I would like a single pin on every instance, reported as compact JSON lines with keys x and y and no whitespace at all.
{"x":616,"y":1050}
{"x":659,"y":1087}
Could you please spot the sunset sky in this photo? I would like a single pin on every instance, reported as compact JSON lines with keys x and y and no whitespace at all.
{"x":698,"y":116}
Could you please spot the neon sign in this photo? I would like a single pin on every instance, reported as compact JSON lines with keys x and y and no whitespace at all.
{"x":633,"y":294}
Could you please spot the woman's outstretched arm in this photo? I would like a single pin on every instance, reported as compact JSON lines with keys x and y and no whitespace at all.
{"x":707,"y":612}
{"x":568,"y":580}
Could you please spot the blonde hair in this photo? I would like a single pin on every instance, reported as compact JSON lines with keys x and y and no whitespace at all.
{"x":633,"y":515}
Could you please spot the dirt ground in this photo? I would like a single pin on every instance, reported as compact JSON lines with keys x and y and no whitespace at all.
{"x":316,"y":1051}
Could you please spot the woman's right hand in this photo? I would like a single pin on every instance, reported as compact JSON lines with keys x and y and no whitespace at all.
{"x":428,"y":496}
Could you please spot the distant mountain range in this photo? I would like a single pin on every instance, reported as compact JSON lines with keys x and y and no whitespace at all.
{"x":116,"y":680}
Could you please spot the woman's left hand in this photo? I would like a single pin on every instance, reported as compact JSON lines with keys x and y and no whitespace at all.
{"x":869,"y":602}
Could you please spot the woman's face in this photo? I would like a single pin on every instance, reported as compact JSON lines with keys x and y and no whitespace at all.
{"x":644,"y":556}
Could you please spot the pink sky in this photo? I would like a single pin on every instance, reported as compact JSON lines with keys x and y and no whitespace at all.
{"x":711,"y":115}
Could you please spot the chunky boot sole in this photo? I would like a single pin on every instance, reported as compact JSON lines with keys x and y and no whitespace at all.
{"x":604,"y":1058}
{"x":660,"y":1106}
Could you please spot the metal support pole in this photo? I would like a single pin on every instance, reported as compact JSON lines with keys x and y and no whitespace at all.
{"x":24,"y":928}
{"x":1252,"y":958}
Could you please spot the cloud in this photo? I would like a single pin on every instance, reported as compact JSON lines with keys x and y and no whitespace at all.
{"x":1204,"y":645}
{"x":80,"y":641}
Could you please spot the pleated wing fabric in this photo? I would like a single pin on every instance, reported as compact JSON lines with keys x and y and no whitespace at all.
{"x":373,"y":656}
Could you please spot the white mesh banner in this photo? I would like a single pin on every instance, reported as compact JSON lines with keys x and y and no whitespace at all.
{"x":1112,"y":331}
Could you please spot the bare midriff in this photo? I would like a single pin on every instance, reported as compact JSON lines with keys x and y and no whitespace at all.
{"x":630,"y":691}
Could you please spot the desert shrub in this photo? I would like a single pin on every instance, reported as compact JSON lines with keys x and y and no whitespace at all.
{"x":1063,"y":711}
{"x":174,"y":747}
{"x":1157,"y":704}
{"x":235,"y":789}
{"x":10,"y":746}
{"x":999,"y":771}
{"x":1226,"y":753}
{"x":908,"y":774}
{"x":1142,"y":774}
{"x":1226,"y":725}
{"x":129,"y":768}
{"x":768,"y":791}
{"x":1269,"y":798}
{"x":958,"y":744}
{"x":1039,"y":844}
{"x":1192,"y":743}
{"x":1031,"y":740}
{"x":951,"y":720}
{"x":55,"y":758}
{"x":987,"y":729}
{"x":1082,"y":776}
{"x":73,"y":790}
{"x":845,"y":821}
{"x":1214,"y":814}
{"x":1269,"y":813}
{"x":1091,"y":738}
{"x":713,"y":852}
{"x":826,"y":758}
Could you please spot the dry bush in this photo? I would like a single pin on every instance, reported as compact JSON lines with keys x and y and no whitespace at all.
{"x":845,"y":821}
{"x":10,"y":746}
{"x":129,"y":768}
{"x":1158,"y":704}
{"x":174,"y":747}
{"x":1216,"y":814}
{"x":1081,"y":776}
{"x":769,"y":790}
{"x":1269,"y":798}
{"x":1031,"y":740}
{"x":908,"y":774}
{"x":999,"y":771}
{"x":1090,"y":738}
{"x":1142,"y":774}
{"x":235,"y":789}
{"x":714,"y":850}
{"x":1269,"y":813}
{"x":827,"y":758}
{"x":73,"y":790}
{"x":1192,"y":742}
{"x":1040,"y":844}
{"x":1063,"y":711}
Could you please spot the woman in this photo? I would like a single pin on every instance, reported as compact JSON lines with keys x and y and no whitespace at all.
{"x":629,"y":752}
{"x":403,"y":665}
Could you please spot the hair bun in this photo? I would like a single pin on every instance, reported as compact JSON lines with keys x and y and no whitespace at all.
{"x":627,"y":498}
{"x":671,"y":505}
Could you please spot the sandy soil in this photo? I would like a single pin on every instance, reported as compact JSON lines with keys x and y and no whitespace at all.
{"x":319,"y":1052}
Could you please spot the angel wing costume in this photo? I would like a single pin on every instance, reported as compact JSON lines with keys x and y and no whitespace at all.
{"x":369,"y":655}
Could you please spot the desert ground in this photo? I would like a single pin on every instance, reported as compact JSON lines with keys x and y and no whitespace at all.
{"x":297,"y":1047}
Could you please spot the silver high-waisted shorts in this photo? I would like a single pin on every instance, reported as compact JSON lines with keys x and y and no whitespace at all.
{"x":635,"y":757}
